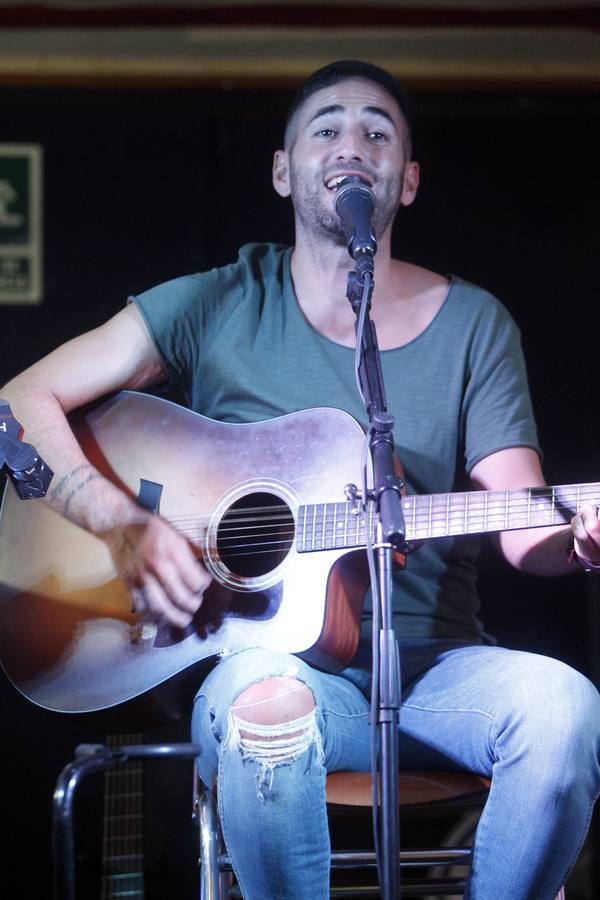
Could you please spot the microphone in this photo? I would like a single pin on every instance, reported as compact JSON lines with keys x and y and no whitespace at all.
{"x":354,"y":204}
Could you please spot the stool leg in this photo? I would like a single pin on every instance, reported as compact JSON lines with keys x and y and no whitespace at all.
{"x":209,"y":843}
{"x":92,"y":758}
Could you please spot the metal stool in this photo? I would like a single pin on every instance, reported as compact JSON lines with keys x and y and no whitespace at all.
{"x":427,"y":792}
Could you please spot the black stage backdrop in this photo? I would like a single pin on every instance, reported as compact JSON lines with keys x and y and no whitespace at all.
{"x":142,"y":186}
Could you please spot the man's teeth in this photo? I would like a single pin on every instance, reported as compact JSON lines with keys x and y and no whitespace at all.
{"x":335,"y":182}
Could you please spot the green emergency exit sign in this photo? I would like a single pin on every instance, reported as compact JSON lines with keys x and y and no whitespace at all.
{"x":21,"y":223}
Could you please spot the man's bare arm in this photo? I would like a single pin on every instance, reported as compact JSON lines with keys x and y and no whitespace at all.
{"x":118,"y":354}
{"x":156,"y":563}
{"x":541,"y":551}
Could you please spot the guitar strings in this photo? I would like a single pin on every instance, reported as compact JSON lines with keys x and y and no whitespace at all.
{"x":269,"y":529}
{"x":439,"y":503}
{"x":539,"y":506}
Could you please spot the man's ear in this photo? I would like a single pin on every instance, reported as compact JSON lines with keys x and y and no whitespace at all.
{"x":411,"y":183}
{"x":281,"y":173}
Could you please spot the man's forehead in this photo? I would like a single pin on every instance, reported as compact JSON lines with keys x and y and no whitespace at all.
{"x":351,"y":92}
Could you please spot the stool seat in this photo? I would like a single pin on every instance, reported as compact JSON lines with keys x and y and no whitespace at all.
{"x":414,"y":787}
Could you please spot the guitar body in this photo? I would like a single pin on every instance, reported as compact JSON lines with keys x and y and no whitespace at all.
{"x":68,"y":640}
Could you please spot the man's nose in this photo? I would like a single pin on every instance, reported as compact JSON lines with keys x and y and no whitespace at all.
{"x":350,"y":146}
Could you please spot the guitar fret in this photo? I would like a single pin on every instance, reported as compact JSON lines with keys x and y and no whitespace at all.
{"x":320,"y":526}
{"x":455,"y":514}
{"x":540,"y":516}
{"x":334,"y":527}
{"x":302,"y":515}
{"x":130,"y":893}
{"x":129,"y":815}
{"x":119,"y":875}
{"x":305,"y":542}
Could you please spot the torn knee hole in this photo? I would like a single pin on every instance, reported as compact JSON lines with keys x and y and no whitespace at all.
{"x":274,"y":720}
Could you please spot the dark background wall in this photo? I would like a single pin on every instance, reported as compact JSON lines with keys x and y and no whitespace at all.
{"x":141,"y":186}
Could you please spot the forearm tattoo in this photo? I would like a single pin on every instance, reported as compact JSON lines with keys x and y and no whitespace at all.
{"x":55,"y":493}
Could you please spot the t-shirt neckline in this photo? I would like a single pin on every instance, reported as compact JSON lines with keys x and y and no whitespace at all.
{"x":292,"y":301}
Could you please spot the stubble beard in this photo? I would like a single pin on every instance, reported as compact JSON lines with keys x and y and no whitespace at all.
{"x":313,"y":215}
{"x":325,"y":224}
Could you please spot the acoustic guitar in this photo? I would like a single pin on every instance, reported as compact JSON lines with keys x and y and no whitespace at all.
{"x":264,"y":506}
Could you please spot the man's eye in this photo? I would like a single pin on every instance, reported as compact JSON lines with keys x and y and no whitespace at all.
{"x":325,"y":132}
{"x":377,"y":136}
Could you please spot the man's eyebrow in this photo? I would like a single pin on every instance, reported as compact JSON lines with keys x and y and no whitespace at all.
{"x":337,"y":107}
{"x":326,"y":110}
{"x":379,"y":111}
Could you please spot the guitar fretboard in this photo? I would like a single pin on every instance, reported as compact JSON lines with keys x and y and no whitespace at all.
{"x":122,"y":843}
{"x":330,"y":526}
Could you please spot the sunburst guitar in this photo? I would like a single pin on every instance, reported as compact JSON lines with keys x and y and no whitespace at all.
{"x":264,"y":506}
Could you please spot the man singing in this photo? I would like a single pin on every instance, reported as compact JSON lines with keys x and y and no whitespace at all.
{"x":270,"y":725}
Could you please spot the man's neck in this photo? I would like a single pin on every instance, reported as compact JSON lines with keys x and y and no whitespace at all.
{"x":405,"y":298}
{"x":320,"y":270}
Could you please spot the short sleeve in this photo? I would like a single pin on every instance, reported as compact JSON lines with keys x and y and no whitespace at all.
{"x":172,"y":313}
{"x":497,"y":405}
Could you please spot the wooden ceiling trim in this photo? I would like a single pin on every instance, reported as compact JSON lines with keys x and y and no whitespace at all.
{"x":228,"y":57}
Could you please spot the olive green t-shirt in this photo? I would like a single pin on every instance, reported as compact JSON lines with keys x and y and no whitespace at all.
{"x":235,"y":341}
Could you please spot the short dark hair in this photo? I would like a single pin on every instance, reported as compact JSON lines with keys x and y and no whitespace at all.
{"x":351,"y":68}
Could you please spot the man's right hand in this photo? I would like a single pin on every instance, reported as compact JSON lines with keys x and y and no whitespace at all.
{"x":159,"y":567}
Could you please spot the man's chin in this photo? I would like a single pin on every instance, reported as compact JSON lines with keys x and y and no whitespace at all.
{"x":325,"y":225}
{"x":331,"y":228}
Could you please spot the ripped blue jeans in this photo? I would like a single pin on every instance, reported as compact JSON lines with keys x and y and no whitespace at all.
{"x":529,"y":722}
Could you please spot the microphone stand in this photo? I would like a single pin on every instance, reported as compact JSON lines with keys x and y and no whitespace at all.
{"x":390,"y":536}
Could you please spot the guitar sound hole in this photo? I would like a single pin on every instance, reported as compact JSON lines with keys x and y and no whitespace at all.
{"x":255,"y":535}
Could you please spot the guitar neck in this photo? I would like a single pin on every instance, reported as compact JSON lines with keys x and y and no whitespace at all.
{"x":122,"y":843}
{"x":330,"y":526}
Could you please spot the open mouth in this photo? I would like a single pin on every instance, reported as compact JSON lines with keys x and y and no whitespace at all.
{"x":333,"y":183}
